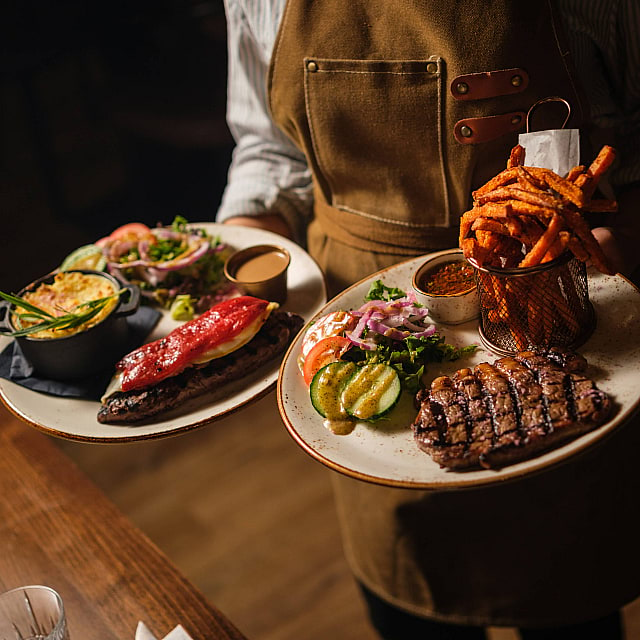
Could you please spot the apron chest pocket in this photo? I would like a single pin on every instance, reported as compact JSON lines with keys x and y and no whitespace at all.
{"x":376,"y":138}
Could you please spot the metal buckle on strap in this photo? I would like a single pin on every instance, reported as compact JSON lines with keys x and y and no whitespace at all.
{"x":484,"y":129}
{"x":489,"y":84}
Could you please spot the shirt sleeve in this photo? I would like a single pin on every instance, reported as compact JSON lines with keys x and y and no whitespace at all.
{"x":604,"y":36}
{"x":268,"y":173}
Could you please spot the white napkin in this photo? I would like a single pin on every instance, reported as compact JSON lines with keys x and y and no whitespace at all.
{"x":143,"y":633}
{"x":555,"y":149}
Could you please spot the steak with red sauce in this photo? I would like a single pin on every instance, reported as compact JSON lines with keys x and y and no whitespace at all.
{"x":501,"y":413}
{"x":126,"y":407}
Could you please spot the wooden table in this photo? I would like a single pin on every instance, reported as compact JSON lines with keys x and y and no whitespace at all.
{"x":58,"y":529}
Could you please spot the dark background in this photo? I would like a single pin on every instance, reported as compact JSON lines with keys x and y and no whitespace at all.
{"x":111,"y":112}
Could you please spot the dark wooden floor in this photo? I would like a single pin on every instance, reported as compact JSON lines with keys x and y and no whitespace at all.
{"x":243,"y":512}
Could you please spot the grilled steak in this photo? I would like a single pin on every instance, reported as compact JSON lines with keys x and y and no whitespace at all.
{"x":501,"y":413}
{"x":139,"y":404}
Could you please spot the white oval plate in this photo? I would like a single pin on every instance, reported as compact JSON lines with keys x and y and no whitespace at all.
{"x":76,"y":419}
{"x":385,"y":453}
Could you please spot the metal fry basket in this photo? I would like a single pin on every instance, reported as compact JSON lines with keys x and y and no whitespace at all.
{"x":535,"y":307}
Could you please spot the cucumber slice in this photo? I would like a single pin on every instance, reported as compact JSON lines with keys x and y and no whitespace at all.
{"x":326,"y":387}
{"x":372,"y":391}
{"x":88,"y":256}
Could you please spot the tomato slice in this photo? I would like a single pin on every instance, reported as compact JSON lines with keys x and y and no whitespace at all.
{"x":323,"y":352}
{"x":131,"y":230}
{"x":332,"y":324}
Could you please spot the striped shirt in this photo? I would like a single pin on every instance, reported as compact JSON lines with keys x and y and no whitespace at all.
{"x":269,"y":173}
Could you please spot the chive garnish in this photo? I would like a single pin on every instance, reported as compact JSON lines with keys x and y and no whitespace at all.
{"x":80,"y":314}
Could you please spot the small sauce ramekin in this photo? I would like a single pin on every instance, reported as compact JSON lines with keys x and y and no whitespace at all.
{"x":448,"y":308}
{"x":260,"y":271}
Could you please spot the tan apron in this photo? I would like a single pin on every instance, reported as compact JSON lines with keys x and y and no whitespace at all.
{"x":402,"y":108}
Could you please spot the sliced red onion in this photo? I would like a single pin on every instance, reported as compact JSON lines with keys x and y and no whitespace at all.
{"x":186,"y":259}
{"x":361,"y":325}
{"x":143,"y":249}
{"x":420,"y":312}
{"x":168,"y":234}
{"x":363,"y":343}
{"x":128,"y":265}
{"x":118,"y":248}
{"x":143,"y":271}
{"x":416,"y":328}
{"x":355,"y":335}
{"x":426,"y":333}
{"x":199,"y":247}
{"x":393,"y":306}
{"x":374,"y":304}
{"x":155,"y":276}
{"x":385,"y":330}
{"x":118,"y":275}
{"x":147,"y":270}
{"x":396,"y":319}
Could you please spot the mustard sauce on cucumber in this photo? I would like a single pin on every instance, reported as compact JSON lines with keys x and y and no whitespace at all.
{"x":330,"y":381}
{"x":366,"y":389}
{"x":343,"y":393}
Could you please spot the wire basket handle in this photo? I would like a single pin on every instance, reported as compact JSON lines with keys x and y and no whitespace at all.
{"x":550,"y":99}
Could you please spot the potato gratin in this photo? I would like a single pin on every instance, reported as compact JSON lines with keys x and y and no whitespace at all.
{"x":68,"y":290}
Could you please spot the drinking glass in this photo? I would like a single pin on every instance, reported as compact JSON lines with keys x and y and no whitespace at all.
{"x":33,"y":612}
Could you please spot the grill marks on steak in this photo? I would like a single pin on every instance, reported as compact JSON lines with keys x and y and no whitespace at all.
{"x":137,"y":405}
{"x":501,"y":413}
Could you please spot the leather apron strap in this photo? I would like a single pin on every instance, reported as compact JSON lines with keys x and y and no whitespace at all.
{"x":381,"y":236}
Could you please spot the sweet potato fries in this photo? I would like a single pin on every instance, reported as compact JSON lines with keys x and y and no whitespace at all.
{"x":525,"y":216}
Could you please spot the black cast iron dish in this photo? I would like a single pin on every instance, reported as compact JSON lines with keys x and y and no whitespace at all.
{"x":81,"y":354}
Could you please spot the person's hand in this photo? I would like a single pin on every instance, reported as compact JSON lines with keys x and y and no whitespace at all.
{"x":615,"y":248}
{"x":619,"y":242}
{"x":269,"y":222}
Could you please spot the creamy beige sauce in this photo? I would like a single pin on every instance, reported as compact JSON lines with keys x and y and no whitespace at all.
{"x":261,"y":267}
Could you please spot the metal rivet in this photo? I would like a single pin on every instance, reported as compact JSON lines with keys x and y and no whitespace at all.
{"x":516,"y":119}
{"x":312,"y":66}
{"x":465,"y":131}
{"x":516,"y":81}
{"x":432,"y":67}
{"x":462,"y":87}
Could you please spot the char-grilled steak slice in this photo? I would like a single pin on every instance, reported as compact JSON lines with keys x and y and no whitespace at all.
{"x":501,"y":413}
{"x":140,"y":404}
